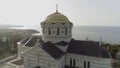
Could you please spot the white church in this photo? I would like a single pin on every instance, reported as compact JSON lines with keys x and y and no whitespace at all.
{"x":56,"y":48}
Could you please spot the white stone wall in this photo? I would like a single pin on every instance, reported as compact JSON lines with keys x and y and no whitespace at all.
{"x":38,"y":57}
{"x":21,"y":49}
{"x":94,"y":62}
{"x":61,"y":62}
{"x":55,"y":39}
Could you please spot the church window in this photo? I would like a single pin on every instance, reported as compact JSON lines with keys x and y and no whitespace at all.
{"x":58,"y":31}
{"x":74,"y":62}
{"x":65,"y":31}
{"x":88,"y":64}
{"x":49,"y":31}
{"x":84,"y":64}
{"x":70,"y":62}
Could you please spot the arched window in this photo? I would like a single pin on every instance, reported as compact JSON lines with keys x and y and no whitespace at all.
{"x":84,"y":64}
{"x":65,"y":31}
{"x":58,"y":31}
{"x":70,"y":62}
{"x":88,"y":64}
{"x":49,"y":31}
{"x":74,"y":62}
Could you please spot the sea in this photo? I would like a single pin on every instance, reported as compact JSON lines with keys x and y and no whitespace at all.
{"x":107,"y":34}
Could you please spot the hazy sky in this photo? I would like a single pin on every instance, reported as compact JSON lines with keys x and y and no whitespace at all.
{"x":80,"y":12}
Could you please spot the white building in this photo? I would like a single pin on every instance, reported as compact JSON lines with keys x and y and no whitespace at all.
{"x":56,"y":48}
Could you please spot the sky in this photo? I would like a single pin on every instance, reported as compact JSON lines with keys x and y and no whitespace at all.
{"x":79,"y":12}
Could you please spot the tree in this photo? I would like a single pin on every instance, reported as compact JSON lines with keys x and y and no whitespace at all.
{"x":112,"y":48}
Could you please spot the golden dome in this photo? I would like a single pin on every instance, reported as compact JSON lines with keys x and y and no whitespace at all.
{"x":57,"y":18}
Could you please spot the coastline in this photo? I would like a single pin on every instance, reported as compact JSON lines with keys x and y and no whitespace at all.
{"x":108,"y":34}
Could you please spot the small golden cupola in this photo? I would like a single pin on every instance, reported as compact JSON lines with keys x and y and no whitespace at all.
{"x":57,"y":18}
{"x":56,"y":27}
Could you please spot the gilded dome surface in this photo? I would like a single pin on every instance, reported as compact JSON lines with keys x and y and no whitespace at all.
{"x":57,"y":18}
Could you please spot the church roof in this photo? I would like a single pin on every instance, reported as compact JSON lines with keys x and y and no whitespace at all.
{"x":29,"y":41}
{"x":62,"y":43}
{"x":56,"y":18}
{"x":52,"y":50}
{"x":105,"y":53}
{"x":32,"y":41}
{"x":88,"y":48}
{"x":23,"y":41}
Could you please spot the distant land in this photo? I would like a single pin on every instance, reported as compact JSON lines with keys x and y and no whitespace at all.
{"x":5,"y":26}
{"x":11,"y":37}
{"x":108,"y":34}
